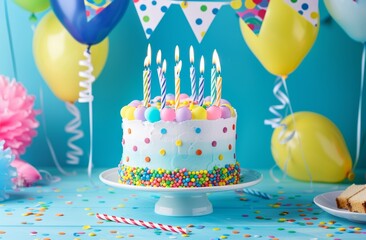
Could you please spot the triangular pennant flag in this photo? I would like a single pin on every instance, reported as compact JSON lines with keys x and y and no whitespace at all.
{"x":150,"y":13}
{"x":251,"y":12}
{"x":94,"y":7}
{"x":200,"y":15}
{"x":307,"y":8}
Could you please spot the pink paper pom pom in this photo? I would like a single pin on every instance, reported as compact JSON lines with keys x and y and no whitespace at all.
{"x":17,"y":116}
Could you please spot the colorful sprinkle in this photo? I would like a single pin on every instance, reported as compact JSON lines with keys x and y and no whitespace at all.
{"x":230,"y":174}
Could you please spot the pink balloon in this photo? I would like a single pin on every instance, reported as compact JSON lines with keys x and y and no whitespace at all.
{"x":27,"y":175}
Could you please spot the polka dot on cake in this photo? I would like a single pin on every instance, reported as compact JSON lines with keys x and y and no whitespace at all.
{"x":221,"y":157}
{"x":230,"y":147}
{"x":123,"y":141}
{"x":134,"y":148}
{"x":162,"y":152}
{"x":178,"y":143}
{"x":203,"y":8}
{"x":163,"y":131}
{"x":153,"y":3}
{"x":234,"y":127}
{"x":214,"y":143}
{"x":198,"y":130}
{"x":127,"y":159}
{"x":215,"y":11}
{"x":147,"y":159}
{"x":129,"y":131}
{"x":198,"y":152}
{"x":147,"y":140}
{"x":224,"y":130}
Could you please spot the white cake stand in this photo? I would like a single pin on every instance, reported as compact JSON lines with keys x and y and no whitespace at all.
{"x":183,"y":201}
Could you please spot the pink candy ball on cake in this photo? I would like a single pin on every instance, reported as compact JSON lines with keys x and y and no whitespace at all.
{"x":167,"y":114}
{"x":213,"y":112}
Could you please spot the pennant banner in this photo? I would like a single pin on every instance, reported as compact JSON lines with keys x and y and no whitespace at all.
{"x":150,"y":13}
{"x":253,"y":12}
{"x":200,"y":16}
{"x":94,"y":7}
{"x":307,"y":8}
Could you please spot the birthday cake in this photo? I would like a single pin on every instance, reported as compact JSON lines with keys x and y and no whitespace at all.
{"x":176,"y":140}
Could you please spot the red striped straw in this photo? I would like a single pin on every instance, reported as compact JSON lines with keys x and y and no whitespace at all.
{"x":141,"y":223}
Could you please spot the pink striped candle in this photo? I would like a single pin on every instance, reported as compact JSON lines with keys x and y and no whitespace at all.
{"x":192,"y":74}
{"x":142,"y":223}
{"x":202,"y":82}
{"x":145,"y":84}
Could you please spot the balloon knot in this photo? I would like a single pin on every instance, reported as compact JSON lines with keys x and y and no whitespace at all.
{"x":351,"y":176}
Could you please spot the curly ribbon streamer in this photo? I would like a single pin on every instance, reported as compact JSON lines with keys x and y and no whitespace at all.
{"x":86,"y":96}
{"x":10,"y":40}
{"x":48,"y":141}
{"x":358,"y":147}
{"x":283,"y":98}
{"x":72,"y":128}
{"x":285,"y":103}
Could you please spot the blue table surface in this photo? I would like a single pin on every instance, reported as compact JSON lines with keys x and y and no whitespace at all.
{"x":66,"y":210}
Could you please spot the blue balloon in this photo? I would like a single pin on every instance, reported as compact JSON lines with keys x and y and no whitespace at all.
{"x":72,"y":14}
{"x":350,"y":15}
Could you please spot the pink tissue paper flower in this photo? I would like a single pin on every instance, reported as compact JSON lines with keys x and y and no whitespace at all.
{"x":17,"y":117}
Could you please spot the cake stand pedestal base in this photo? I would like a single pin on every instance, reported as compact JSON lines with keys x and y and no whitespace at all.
{"x":180,"y":204}
{"x":183,"y":201}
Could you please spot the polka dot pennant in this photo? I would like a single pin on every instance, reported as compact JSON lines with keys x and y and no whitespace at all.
{"x":94,"y":7}
{"x":307,"y":8}
{"x":252,"y":12}
{"x":200,"y":15}
{"x":150,"y":13}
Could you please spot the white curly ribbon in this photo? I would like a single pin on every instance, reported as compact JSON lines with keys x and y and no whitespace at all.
{"x":73,"y":155}
{"x":48,"y":141}
{"x":359,"y":115}
{"x":285,"y":105}
{"x":86,"y":96}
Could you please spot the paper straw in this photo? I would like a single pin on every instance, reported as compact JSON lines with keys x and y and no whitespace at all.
{"x":257,"y":193}
{"x":142,"y":223}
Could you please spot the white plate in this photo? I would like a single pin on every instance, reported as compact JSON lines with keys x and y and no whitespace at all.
{"x":327,"y":201}
{"x":250,"y":177}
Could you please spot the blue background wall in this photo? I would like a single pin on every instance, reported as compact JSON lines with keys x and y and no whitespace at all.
{"x":327,"y":82}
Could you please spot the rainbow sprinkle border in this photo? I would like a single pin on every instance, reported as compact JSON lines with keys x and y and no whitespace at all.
{"x":179,"y":178}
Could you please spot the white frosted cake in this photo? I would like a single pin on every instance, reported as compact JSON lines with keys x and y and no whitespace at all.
{"x":185,"y":144}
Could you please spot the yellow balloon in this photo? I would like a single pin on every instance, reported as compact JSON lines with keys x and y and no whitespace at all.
{"x":57,"y":55}
{"x":317,"y":152}
{"x":284,"y":39}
